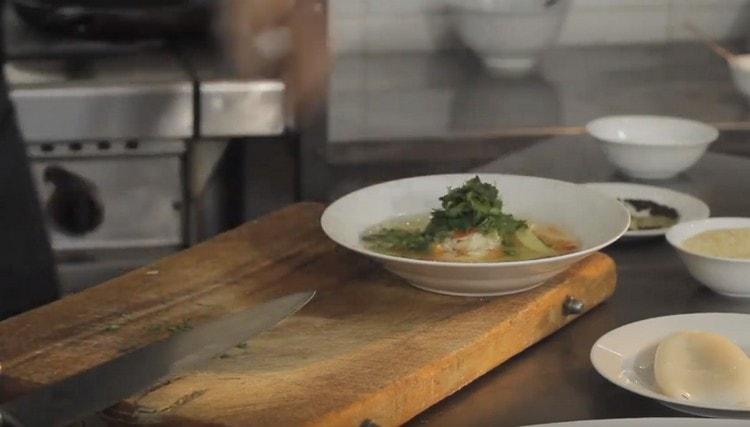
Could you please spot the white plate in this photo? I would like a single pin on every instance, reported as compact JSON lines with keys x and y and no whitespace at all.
{"x":648,"y":422}
{"x":625,"y":355}
{"x":690,"y":208}
{"x":593,"y":218}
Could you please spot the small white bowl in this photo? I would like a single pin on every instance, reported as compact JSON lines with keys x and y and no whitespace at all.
{"x":594,"y":218}
{"x":726,"y":276}
{"x":740,"y":67}
{"x":652,"y":147}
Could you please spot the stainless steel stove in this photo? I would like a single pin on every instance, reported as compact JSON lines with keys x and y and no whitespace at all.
{"x":123,"y":140}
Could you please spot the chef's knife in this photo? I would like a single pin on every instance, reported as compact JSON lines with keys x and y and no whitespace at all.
{"x":85,"y":393}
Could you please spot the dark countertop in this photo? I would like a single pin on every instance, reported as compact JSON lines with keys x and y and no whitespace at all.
{"x":554,"y":380}
{"x":444,"y":95}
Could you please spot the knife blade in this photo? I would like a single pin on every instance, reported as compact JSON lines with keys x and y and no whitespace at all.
{"x":70,"y":399}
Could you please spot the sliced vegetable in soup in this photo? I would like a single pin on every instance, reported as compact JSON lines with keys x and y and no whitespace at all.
{"x":470,"y":226}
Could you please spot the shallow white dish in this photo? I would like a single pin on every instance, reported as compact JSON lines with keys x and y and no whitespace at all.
{"x":648,"y":422}
{"x":652,"y":147}
{"x":688,"y":207}
{"x":593,"y":218}
{"x":726,"y":276}
{"x":625,"y":356}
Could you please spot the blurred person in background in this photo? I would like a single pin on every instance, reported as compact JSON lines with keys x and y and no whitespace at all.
{"x":258,"y":37}
{"x":278,"y":37}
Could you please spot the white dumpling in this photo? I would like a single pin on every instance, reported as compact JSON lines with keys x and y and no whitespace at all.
{"x":703,"y":367}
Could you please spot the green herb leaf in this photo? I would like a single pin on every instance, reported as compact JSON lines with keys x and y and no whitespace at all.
{"x":475,"y":205}
{"x":393,"y":239}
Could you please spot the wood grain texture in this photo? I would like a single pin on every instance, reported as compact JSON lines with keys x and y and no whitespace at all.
{"x":367,"y":347}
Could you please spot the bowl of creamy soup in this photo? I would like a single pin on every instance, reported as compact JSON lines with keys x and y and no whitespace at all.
{"x":716,"y":252}
{"x":475,"y":235}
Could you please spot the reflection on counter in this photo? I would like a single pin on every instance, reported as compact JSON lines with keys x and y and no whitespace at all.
{"x":393,"y":115}
{"x":381,"y":96}
{"x":487,"y":102}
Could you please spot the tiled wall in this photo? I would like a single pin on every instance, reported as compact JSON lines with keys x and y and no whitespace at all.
{"x":414,"y":25}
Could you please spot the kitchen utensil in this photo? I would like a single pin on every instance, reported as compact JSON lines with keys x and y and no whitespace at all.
{"x":370,"y":347}
{"x":739,"y":64}
{"x":652,"y":147}
{"x":727,"y":276}
{"x":625,"y":356}
{"x":706,"y":39}
{"x":688,"y":207}
{"x":543,"y":201}
{"x":95,"y":389}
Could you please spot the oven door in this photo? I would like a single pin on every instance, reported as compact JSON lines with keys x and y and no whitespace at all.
{"x":109,"y":207}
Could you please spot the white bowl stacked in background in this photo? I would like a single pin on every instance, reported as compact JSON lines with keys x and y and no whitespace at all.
{"x":592,"y":217}
{"x":508,"y":35}
{"x":652,"y":147}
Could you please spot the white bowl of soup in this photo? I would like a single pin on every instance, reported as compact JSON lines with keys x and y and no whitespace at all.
{"x":467,"y":245}
{"x":652,"y":147}
{"x":716,"y":252}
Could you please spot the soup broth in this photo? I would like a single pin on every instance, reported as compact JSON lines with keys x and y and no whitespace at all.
{"x":400,"y":236}
{"x":470,"y":226}
{"x":726,"y":243}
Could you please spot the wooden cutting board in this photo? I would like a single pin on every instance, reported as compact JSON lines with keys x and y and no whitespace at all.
{"x":368,"y":347}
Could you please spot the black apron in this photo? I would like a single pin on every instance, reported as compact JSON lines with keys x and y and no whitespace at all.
{"x":27,"y":272}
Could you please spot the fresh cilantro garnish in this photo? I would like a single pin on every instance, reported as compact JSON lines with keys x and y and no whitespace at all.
{"x":475,"y":206}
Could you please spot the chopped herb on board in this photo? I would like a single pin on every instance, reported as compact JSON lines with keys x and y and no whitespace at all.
{"x":183,"y":326}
